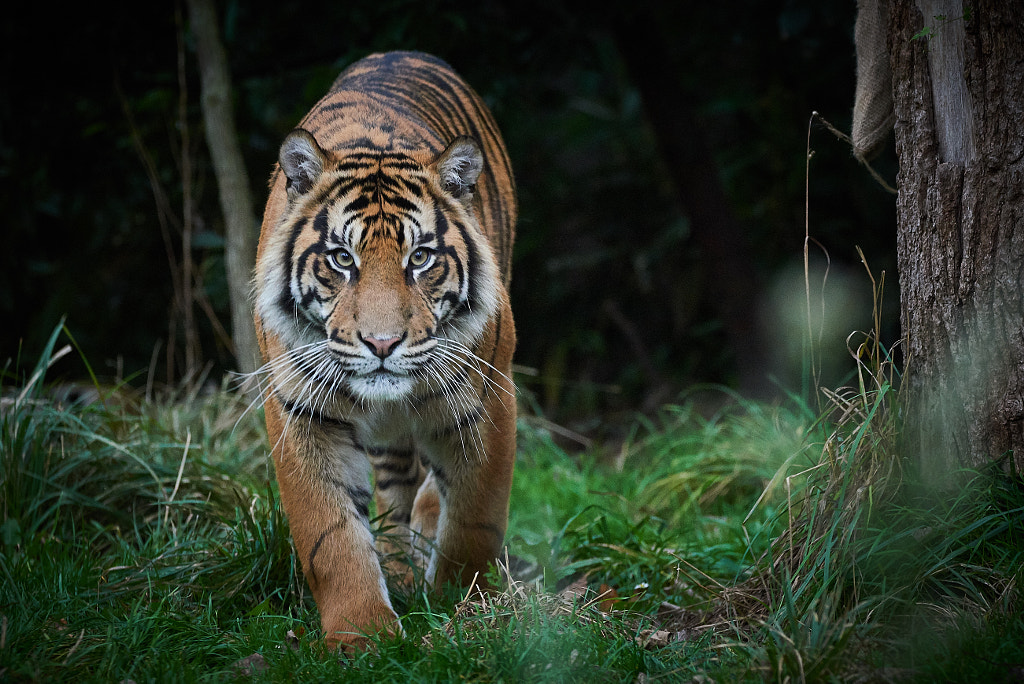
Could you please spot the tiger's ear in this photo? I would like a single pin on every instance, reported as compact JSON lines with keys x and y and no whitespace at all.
{"x":302,"y":161}
{"x":459,"y":166}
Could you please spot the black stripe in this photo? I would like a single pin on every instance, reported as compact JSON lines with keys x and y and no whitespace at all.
{"x":400,"y":466}
{"x":360,"y":499}
{"x":385,"y":451}
{"x":402,"y":518}
{"x":473,"y":259}
{"x":379,"y":452}
{"x":401,"y":203}
{"x":464,"y":422}
{"x":303,"y":411}
{"x":492,"y":363}
{"x":462,"y":378}
{"x":316,"y":547}
{"x":320,"y":221}
{"x":388,"y":483}
{"x":342,"y":342}
{"x":358,"y":204}
{"x":285,"y":300}
{"x":442,"y":480}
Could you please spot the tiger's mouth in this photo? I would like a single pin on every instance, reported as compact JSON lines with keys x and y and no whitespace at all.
{"x":382,"y":384}
{"x":383,"y":374}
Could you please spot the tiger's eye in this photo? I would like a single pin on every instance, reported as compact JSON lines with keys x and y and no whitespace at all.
{"x":420,"y":256}
{"x":341,"y":258}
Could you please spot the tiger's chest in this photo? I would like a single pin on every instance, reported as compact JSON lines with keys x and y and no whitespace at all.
{"x":432,"y":425}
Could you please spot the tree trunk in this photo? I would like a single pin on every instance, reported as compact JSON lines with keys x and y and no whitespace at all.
{"x":958,"y":91}
{"x":232,"y":181}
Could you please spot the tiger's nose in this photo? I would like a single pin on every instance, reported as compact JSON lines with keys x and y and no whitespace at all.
{"x":381,"y":345}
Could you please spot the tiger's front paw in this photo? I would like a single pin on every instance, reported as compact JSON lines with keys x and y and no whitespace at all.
{"x":355,"y":632}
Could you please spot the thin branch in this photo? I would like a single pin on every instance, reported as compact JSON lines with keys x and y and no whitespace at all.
{"x":192,"y":346}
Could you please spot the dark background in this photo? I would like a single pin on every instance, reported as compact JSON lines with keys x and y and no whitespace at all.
{"x":660,"y":153}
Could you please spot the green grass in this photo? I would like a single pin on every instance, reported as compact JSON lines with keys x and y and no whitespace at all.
{"x":142,"y":540}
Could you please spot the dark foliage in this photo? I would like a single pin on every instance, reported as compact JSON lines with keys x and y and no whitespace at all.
{"x":615,"y":298}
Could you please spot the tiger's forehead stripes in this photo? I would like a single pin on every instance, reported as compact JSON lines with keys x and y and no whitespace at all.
{"x":373,"y":189}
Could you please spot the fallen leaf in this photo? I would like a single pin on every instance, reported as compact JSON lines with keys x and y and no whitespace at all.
{"x":574,"y":590}
{"x":608,"y":598}
{"x":251,"y":665}
{"x":291,"y":640}
{"x":654,"y":638}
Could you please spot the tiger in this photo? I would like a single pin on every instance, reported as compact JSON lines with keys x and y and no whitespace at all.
{"x":381,"y":304}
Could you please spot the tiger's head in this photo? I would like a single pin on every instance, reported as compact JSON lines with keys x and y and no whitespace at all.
{"x":377,"y":269}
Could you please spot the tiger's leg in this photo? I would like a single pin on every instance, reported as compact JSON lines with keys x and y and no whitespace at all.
{"x":324,"y":486}
{"x":426,"y":510}
{"x":397,"y":475}
{"x":473,"y":494}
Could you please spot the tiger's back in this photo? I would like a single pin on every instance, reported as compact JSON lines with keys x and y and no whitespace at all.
{"x":383,"y":317}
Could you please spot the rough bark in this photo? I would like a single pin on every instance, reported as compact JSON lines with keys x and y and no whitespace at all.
{"x":232,"y":182}
{"x":959,"y":102}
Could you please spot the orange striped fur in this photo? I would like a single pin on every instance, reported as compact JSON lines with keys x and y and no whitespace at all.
{"x":382,"y":311}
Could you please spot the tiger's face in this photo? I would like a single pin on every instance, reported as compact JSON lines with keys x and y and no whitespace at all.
{"x":381,"y":273}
